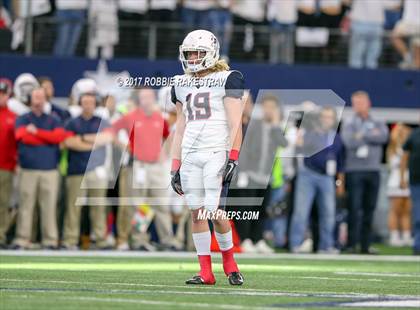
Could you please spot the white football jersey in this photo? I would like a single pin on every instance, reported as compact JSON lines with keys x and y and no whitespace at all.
{"x":202,"y":103}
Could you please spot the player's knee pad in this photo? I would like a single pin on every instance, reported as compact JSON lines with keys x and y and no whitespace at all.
{"x":212,"y":200}
{"x":194,"y":201}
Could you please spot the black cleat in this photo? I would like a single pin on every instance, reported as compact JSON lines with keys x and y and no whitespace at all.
{"x":198,"y":280}
{"x":236,"y":278}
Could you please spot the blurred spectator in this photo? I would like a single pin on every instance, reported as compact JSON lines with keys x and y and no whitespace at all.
{"x":23,"y":10}
{"x":131,"y":13}
{"x":146,"y":128}
{"x":364,"y":138}
{"x":263,"y":137}
{"x":5,"y":20}
{"x":162,"y":10}
{"x":221,"y":25}
{"x":331,"y":13}
{"x":331,"y":17}
{"x":165,"y":11}
{"x":250,"y":13}
{"x":38,"y":136}
{"x":5,"y":29}
{"x":133,"y":10}
{"x":316,"y":178}
{"x":35,"y":8}
{"x":50,"y":107}
{"x":367,"y":20}
{"x":8,"y":157}
{"x":408,"y":27}
{"x":118,"y":159}
{"x":71,"y":16}
{"x":124,"y":211}
{"x":63,"y":115}
{"x":393,"y":13}
{"x":399,"y":219}
{"x":121,"y":160}
{"x":24,"y":84}
{"x":87,"y":175}
{"x":412,"y":158}
{"x":282,"y":16}
{"x":22,"y":88}
{"x":179,"y":210}
{"x":103,"y":28}
{"x":196,"y":14}
{"x":278,"y":207}
{"x":110,"y":104}
{"x":316,"y":37}
{"x":309,"y":13}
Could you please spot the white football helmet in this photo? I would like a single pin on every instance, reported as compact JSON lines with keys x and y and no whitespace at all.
{"x":24,"y":84}
{"x":82,"y":86}
{"x":206,"y":44}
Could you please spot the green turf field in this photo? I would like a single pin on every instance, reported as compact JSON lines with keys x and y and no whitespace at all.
{"x":33,"y":282}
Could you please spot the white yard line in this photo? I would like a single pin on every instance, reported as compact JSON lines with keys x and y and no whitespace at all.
{"x":379,"y":274}
{"x":152,"y":302}
{"x":385,"y":304}
{"x":385,"y":258}
{"x":208,"y":290}
{"x":411,"y":303}
{"x":350,"y":279}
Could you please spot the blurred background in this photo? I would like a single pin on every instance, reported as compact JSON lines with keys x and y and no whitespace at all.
{"x":366,"y":52}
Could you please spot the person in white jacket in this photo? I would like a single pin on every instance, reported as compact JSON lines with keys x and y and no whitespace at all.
{"x":103,"y":30}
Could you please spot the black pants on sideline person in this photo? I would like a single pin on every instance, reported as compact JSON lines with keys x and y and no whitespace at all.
{"x":362,"y":189}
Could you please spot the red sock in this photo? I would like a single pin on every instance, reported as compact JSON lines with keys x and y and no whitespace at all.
{"x":229,"y":263}
{"x":205,"y":268}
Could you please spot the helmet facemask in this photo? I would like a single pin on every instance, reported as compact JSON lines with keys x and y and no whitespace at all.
{"x":204,"y":60}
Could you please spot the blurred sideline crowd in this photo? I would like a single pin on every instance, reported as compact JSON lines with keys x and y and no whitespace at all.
{"x":312,"y":24}
{"x":56,"y":163}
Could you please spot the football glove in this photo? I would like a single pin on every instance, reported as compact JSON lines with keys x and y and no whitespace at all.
{"x":176,"y":182}
{"x":229,"y":171}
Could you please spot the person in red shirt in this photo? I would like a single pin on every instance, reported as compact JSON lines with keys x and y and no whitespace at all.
{"x":8,"y":157}
{"x":147,"y":129}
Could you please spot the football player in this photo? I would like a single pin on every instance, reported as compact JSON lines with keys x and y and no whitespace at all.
{"x":205,"y":149}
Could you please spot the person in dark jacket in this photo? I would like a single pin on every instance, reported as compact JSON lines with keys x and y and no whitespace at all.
{"x":262,"y":139}
{"x":363,"y":138}
{"x":324,"y":158}
{"x":38,"y":136}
